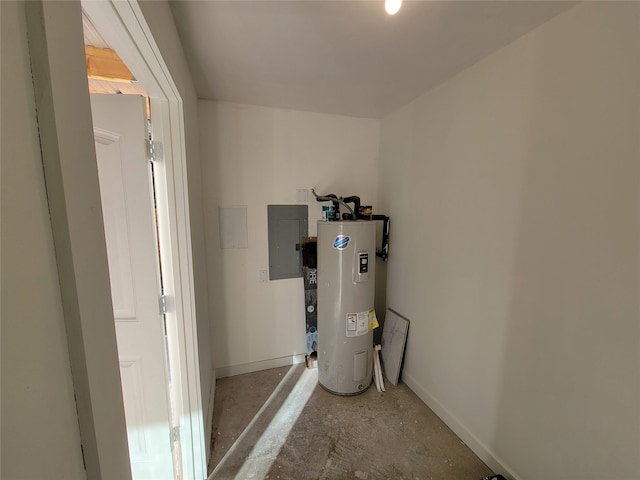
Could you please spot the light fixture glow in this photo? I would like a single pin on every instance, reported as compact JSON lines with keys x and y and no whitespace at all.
{"x":392,"y":6}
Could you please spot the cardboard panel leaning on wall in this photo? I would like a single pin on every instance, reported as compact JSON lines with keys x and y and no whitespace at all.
{"x":521,"y":277}
{"x":257,"y":156}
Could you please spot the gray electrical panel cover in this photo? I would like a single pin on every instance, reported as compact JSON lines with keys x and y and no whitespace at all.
{"x":287,"y":224}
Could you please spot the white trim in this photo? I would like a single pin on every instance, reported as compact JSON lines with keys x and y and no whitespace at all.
{"x":233,"y":370}
{"x":123,"y":25}
{"x":479,"y":448}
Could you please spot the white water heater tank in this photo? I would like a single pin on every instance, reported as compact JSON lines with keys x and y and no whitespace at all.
{"x":346,"y":291}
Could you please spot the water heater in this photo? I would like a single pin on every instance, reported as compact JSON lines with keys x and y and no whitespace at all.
{"x":346,"y":290}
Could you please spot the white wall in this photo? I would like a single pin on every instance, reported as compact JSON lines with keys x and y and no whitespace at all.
{"x":40,"y":436}
{"x":160,"y":21}
{"x":513,"y":192}
{"x":256,"y":156}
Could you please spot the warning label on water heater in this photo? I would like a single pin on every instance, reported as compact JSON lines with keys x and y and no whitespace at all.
{"x":357,"y":323}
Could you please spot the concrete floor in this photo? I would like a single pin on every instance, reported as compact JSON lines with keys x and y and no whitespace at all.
{"x":279,"y":424}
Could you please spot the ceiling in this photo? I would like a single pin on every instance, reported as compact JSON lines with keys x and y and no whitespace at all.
{"x":343,"y":57}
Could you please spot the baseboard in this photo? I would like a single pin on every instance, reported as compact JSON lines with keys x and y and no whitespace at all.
{"x":234,"y":370}
{"x":477,"y":446}
{"x":209,"y":424}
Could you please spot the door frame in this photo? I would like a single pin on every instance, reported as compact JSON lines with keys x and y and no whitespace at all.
{"x":124,"y":27}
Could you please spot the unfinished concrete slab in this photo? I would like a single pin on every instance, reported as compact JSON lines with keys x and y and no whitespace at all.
{"x":280,"y":424}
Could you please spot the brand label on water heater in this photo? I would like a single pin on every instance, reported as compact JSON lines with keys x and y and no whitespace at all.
{"x":341,"y":242}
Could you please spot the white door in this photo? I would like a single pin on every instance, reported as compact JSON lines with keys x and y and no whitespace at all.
{"x":132,"y":249}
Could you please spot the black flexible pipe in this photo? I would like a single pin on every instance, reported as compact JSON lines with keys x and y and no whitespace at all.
{"x":356,"y":202}
{"x":334,"y":199}
{"x":384,"y":251}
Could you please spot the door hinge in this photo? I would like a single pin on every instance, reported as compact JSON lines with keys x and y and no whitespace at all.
{"x":154,"y":150}
{"x":163,"y":304}
{"x":174,"y":436}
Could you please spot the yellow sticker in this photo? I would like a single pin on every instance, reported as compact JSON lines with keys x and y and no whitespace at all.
{"x":373,"y":320}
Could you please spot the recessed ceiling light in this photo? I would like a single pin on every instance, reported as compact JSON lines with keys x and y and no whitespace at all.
{"x":392,"y":6}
